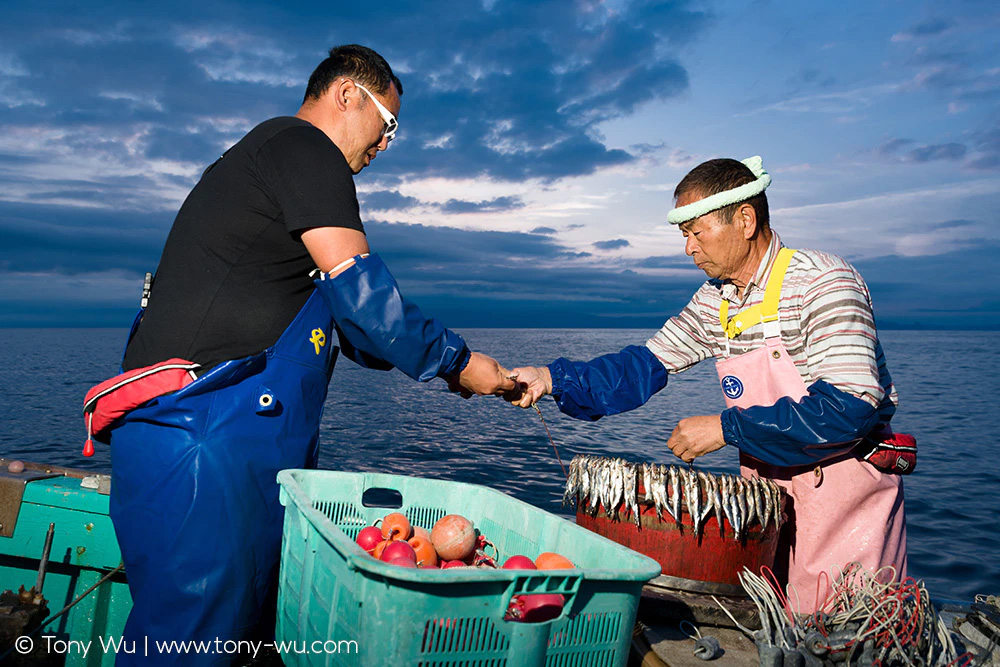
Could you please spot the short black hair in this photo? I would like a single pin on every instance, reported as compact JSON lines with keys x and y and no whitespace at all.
{"x":719,"y":175}
{"x":354,"y":62}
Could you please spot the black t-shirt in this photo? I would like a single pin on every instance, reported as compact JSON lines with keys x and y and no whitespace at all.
{"x":234,"y":272}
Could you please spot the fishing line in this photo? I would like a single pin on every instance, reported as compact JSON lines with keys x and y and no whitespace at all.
{"x":546,"y":427}
{"x":554,"y":448}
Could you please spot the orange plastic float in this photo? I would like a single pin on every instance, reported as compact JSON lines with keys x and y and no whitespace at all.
{"x":453,"y":537}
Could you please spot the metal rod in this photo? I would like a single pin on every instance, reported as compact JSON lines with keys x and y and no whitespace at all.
{"x":43,"y":564}
{"x":62,"y":611}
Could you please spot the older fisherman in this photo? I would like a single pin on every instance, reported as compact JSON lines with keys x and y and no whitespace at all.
{"x":799,"y":363}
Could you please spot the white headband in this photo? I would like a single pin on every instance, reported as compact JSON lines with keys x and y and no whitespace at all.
{"x":723,"y":199}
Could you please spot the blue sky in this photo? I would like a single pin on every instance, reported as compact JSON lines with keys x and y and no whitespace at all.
{"x":539,"y":144}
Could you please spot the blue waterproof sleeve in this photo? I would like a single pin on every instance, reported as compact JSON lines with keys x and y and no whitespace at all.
{"x":607,"y":385}
{"x":826,"y":423}
{"x":360,"y":357}
{"x":377,"y":321}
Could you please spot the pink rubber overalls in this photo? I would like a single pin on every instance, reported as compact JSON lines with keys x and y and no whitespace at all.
{"x":843,"y":510}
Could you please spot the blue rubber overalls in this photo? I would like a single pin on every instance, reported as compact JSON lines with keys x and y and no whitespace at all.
{"x":194,"y":498}
{"x":194,"y":495}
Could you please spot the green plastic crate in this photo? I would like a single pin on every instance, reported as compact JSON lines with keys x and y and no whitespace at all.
{"x":339,"y":606}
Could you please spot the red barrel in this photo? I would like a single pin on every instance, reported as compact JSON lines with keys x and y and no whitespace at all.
{"x":707,"y":557}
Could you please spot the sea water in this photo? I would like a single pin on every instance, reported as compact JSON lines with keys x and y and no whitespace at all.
{"x":384,"y":422}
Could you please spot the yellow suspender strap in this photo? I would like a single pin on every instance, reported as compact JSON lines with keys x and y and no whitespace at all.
{"x":768,"y":309}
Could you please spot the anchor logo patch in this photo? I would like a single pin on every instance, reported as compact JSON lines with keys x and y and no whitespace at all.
{"x":318,"y":339}
{"x":732,"y":387}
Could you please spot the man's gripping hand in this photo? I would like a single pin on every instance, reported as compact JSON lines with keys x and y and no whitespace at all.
{"x":533,"y":382}
{"x":482,"y":376}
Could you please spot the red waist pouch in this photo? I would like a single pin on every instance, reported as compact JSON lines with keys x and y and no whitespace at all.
{"x":109,"y":401}
{"x":893,"y":453}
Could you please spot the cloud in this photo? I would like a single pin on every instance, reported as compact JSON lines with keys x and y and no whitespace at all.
{"x":952,"y":224}
{"x":891,"y":146}
{"x":949,"y":151}
{"x":385,"y":200}
{"x":543,"y":230}
{"x":492,"y":98}
{"x":920,"y":154}
{"x":945,"y":302}
{"x":488,"y":206}
{"x":839,"y":102}
{"x":929,"y":28}
{"x":660,"y":262}
{"x":613,"y":244}
{"x":986,"y":149}
{"x":811,"y":77}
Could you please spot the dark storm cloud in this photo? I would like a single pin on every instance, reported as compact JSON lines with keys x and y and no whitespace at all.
{"x":482,"y":278}
{"x":469,"y":278}
{"x":515,"y":101}
{"x":944,"y":303}
{"x":613,"y":244}
{"x":108,"y":114}
{"x":72,"y":240}
{"x":487,"y":206}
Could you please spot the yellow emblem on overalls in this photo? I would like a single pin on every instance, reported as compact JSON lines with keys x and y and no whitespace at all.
{"x":318,"y":339}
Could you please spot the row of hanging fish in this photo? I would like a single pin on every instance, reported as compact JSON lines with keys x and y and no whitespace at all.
{"x":597,"y":481}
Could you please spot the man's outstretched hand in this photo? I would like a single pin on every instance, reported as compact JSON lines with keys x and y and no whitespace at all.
{"x":533,"y":382}
{"x":481,"y":377}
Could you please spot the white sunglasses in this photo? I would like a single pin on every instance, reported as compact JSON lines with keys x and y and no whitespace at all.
{"x":390,"y":121}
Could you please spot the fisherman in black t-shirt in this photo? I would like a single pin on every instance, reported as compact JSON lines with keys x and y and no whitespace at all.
{"x":194,"y":498}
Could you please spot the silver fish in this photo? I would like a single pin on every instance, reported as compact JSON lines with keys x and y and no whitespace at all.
{"x":765,"y":494}
{"x":662,"y":475}
{"x":594,"y":497}
{"x":698,"y":504}
{"x":758,"y":501}
{"x":675,"y":490}
{"x":706,"y":509}
{"x":656,"y":490}
{"x":734,"y":508}
{"x":606,"y":487}
{"x":751,"y":505}
{"x":617,"y":487}
{"x":631,"y":501}
{"x":584,"y":482}
{"x":776,"y":493}
{"x":727,"y":496}
{"x":741,"y":503}
{"x":569,"y":494}
{"x":689,"y":497}
{"x":717,"y":502}
{"x":647,"y":481}
{"x":663,"y":479}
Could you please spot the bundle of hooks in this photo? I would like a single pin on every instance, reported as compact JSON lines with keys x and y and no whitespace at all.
{"x":863,"y":621}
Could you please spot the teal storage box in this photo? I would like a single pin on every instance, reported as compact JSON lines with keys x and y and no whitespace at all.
{"x":339,"y":606}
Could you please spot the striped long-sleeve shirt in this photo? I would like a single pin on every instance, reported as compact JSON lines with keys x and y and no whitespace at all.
{"x":826,"y":319}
